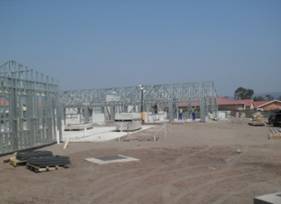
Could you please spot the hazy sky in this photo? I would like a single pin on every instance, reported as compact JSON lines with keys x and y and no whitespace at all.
{"x":94,"y":44}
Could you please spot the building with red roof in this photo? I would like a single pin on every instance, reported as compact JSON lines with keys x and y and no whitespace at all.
{"x":230,"y":104}
{"x":270,"y":105}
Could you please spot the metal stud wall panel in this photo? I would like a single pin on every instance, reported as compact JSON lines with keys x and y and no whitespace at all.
{"x":29,"y":108}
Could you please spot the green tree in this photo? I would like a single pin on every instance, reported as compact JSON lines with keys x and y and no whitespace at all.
{"x":243,"y":93}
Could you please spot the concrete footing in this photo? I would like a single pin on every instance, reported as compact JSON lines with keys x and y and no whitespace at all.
{"x":111,"y":159}
{"x":274,"y":198}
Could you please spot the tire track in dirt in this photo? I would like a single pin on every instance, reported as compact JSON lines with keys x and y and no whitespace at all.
{"x":208,"y":185}
{"x":227,"y":196}
{"x":145,"y":178}
{"x":151,"y":173}
{"x":135,"y":178}
{"x":138,"y":194}
{"x":131,"y":184}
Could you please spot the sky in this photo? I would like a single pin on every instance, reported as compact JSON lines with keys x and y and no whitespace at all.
{"x":98,"y":44}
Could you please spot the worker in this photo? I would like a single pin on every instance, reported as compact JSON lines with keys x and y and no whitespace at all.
{"x":181,"y":114}
{"x":193,"y":114}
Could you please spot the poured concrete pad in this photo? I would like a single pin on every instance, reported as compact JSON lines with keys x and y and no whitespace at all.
{"x":98,"y":134}
{"x":274,"y":198}
{"x":111,"y":159}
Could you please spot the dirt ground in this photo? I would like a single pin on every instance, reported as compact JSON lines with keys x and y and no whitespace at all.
{"x":217,"y":162}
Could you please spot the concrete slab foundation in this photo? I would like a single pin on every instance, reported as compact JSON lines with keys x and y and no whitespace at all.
{"x":274,"y":198}
{"x":97,"y":134}
{"x":111,"y":159}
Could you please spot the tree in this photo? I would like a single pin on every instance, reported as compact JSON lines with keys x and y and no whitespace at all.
{"x":243,"y":93}
{"x":279,"y":98}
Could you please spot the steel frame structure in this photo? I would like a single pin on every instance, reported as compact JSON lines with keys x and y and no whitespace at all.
{"x":29,"y":108}
{"x":164,"y":95}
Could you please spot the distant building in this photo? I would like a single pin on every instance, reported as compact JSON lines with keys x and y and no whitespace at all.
{"x":233,"y":105}
{"x":247,"y":104}
{"x":241,"y":104}
{"x":228,"y":104}
{"x":270,"y":106}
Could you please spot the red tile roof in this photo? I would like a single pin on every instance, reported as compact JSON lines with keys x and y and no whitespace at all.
{"x":195,"y":103}
{"x":228,"y":101}
{"x":259,"y":103}
{"x":267,"y":102}
{"x":225,"y":101}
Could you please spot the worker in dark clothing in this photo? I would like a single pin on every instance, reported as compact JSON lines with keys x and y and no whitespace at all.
{"x":180,"y":114}
{"x":193,"y":114}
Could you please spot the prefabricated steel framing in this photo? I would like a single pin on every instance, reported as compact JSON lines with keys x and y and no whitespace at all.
{"x":164,"y":95}
{"x":30,"y":111}
{"x":29,"y":108}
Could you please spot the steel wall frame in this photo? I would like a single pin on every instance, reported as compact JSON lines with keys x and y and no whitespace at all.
{"x":167,"y":94}
{"x":29,"y":108}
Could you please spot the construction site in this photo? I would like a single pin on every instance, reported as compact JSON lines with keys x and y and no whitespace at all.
{"x":135,"y":144}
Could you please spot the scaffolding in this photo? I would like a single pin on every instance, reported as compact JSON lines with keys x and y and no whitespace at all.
{"x":29,"y":108}
{"x":132,"y":99}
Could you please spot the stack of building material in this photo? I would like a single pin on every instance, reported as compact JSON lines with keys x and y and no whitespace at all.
{"x":127,"y":121}
{"x":20,"y":158}
{"x":257,"y":119}
{"x":275,"y":133}
{"x":78,"y":127}
{"x":39,"y":161}
{"x":47,"y":163}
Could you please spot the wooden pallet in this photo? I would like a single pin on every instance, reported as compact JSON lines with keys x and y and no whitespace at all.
{"x":38,"y":169}
{"x":274,"y":133}
{"x":257,"y":124}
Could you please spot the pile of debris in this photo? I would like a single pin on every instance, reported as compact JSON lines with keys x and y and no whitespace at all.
{"x":39,"y":161}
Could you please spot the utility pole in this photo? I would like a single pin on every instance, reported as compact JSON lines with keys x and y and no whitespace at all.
{"x":142,"y":103}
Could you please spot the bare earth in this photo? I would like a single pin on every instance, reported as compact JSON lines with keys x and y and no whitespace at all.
{"x":218,"y":162}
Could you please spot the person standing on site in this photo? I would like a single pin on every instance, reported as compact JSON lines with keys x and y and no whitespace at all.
{"x":181,"y":114}
{"x":193,"y":114}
